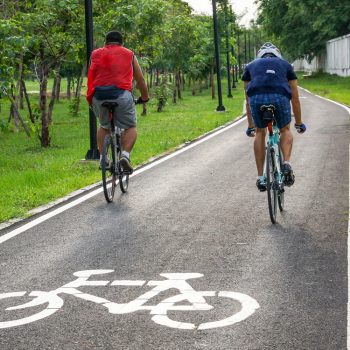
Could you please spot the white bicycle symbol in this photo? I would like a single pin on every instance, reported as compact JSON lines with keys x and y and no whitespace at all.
{"x":195,"y":300}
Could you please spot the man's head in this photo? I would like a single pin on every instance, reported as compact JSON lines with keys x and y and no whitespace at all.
{"x":114,"y":37}
{"x":269,"y":50}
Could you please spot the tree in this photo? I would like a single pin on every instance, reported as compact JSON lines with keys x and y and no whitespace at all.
{"x":55,"y":28}
{"x":303,"y":27}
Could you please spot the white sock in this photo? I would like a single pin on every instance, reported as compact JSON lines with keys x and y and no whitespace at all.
{"x":261,"y":178}
{"x":286,"y":163}
{"x":126,"y":154}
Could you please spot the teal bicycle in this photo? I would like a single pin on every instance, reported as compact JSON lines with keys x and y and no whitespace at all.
{"x":273,"y":164}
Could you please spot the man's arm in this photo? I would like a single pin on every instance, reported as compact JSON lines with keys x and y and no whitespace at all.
{"x":249,"y":114}
{"x":295,"y":101}
{"x":140,"y":80}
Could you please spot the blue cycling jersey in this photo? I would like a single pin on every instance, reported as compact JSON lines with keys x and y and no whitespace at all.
{"x":269,"y":75}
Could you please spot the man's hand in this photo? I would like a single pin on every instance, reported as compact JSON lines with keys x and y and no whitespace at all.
{"x":300,"y":128}
{"x":141,"y":101}
{"x":250,"y":132}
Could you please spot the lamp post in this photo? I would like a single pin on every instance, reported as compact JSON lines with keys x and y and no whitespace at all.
{"x":92,"y":153}
{"x":239,"y":54}
{"x":220,"y":107}
{"x":249,"y":48}
{"x":229,"y":91}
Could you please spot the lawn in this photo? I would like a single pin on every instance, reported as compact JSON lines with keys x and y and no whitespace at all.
{"x":331,"y":86}
{"x":31,"y":175}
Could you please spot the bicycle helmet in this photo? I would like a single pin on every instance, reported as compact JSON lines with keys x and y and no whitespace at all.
{"x":269,"y":50}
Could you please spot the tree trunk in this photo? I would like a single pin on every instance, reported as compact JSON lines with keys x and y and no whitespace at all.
{"x":19,"y":97}
{"x":15,"y":110}
{"x":194,"y":87}
{"x":69,"y":87}
{"x":151,"y":78}
{"x":45,"y":121}
{"x":174,"y":93}
{"x":13,"y":113}
{"x":157,"y":77}
{"x":78,"y":92}
{"x":58,"y":87}
{"x":24,"y":89}
{"x":53,"y":99}
{"x":178,"y":83}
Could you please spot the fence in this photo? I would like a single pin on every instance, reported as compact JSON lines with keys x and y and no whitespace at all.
{"x":335,"y":60}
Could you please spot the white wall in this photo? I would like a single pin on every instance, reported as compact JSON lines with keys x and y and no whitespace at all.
{"x":336,"y":59}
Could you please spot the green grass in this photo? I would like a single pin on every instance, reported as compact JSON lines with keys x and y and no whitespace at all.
{"x":31,"y":175}
{"x":331,"y":86}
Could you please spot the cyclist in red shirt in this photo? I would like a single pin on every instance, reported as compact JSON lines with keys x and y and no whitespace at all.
{"x":112,"y":70}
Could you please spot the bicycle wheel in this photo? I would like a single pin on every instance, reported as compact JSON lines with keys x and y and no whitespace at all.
{"x":108,"y":169}
{"x":281,"y":189}
{"x":271,"y":183}
{"x":123,"y":178}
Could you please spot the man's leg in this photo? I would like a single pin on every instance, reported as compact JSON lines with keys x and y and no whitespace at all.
{"x":128,"y":139}
{"x":286,"y":142}
{"x":101,"y":134}
{"x":286,"y":146}
{"x":259,"y":150}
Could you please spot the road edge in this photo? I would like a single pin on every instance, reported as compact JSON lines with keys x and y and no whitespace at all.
{"x":6,"y":225}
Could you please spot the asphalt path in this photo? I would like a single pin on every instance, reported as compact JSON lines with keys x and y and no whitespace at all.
{"x":198,"y":212}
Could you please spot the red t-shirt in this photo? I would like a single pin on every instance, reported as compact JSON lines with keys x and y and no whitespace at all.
{"x":110,"y":65}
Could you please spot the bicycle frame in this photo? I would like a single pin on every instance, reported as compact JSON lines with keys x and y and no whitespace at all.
{"x":274,"y":143}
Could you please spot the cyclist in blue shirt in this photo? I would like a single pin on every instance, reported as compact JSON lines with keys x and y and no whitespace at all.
{"x":269,"y":79}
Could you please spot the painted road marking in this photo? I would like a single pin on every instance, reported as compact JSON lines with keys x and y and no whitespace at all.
{"x":194,"y":300}
{"x":84,"y":198}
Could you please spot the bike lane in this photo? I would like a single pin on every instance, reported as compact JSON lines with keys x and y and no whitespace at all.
{"x":200,"y":213}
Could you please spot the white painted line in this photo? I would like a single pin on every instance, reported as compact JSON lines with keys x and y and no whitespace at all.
{"x":327,"y":99}
{"x":128,"y":283}
{"x":84,"y":198}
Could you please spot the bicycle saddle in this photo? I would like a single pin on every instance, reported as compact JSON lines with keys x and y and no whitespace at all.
{"x":268,"y":112}
{"x":110,"y":105}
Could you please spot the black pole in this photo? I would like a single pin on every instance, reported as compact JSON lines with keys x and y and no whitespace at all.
{"x":249,"y":48}
{"x":233,"y":69}
{"x":92,"y":153}
{"x":245,"y":47}
{"x":229,"y":91}
{"x":220,"y":107}
{"x":239,"y":54}
{"x":236,"y":74}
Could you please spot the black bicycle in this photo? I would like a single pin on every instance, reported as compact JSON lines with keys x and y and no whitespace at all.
{"x":273,"y":164}
{"x":110,"y":163}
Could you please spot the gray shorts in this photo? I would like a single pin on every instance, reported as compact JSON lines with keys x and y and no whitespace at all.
{"x":124,"y":115}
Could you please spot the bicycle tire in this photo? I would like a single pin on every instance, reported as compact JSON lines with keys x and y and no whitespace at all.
{"x":271,"y":184}
{"x":280,"y":190}
{"x":108,"y":168}
{"x":123,"y":178}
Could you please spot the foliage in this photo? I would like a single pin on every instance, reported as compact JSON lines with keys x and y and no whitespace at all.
{"x":303,"y":27}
